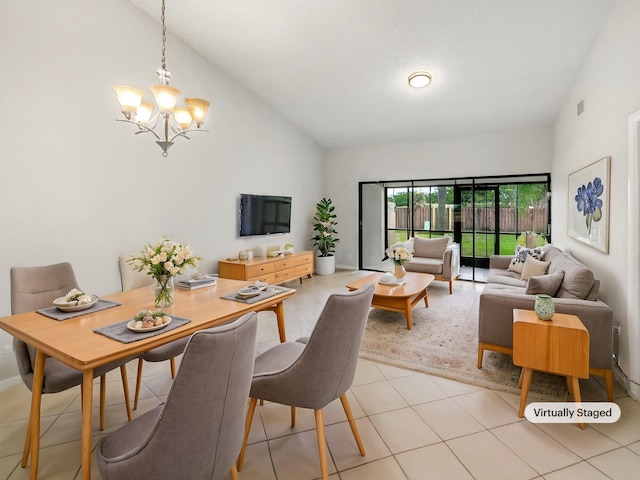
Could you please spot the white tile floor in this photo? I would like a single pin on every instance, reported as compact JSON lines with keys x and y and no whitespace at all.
{"x":413,"y":426}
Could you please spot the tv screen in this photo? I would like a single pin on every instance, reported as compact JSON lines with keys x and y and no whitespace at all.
{"x":264,"y":214}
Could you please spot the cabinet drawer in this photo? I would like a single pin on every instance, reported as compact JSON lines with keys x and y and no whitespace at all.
{"x":257,"y":270}
{"x":267,"y":278}
{"x":284,"y":275}
{"x":304,"y":258}
{"x":232,"y":270}
{"x":283,"y":264}
{"x":304,"y":270}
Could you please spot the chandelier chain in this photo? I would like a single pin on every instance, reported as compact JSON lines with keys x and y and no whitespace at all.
{"x":164,"y":39}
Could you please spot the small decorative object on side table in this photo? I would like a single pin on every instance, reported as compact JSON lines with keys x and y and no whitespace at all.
{"x":164,"y":261}
{"x":544,"y":307}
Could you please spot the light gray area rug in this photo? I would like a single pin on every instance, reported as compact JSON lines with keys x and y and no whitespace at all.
{"x":444,"y":342}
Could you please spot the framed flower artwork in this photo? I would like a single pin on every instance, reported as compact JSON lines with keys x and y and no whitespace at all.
{"x":588,"y":217}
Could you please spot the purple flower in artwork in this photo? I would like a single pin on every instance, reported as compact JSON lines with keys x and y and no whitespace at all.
{"x":588,"y":201}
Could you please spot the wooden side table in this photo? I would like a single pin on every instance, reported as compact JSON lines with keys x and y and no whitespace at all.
{"x":559,"y":345}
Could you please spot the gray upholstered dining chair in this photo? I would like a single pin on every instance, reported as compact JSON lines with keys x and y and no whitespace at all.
{"x":33,"y":288}
{"x":131,"y":279}
{"x":197,"y":432}
{"x":312,"y":372}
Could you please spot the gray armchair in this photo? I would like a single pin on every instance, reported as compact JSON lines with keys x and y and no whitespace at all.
{"x":313,"y":372}
{"x":131,"y":279}
{"x":437,"y":256}
{"x":33,"y":288}
{"x":196,"y":434}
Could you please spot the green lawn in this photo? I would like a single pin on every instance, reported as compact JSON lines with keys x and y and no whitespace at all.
{"x":484,"y":243}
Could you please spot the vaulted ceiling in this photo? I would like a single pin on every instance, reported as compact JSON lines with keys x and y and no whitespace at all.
{"x":338,"y":68}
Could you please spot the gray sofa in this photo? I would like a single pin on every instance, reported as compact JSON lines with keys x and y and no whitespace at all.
{"x":437,"y":256}
{"x":573,"y":288}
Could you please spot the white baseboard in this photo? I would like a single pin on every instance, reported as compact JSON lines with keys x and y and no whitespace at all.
{"x":10,"y":382}
{"x":632,"y":388}
{"x":634,"y":391}
{"x":347,"y":267}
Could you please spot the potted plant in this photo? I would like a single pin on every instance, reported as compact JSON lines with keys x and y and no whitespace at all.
{"x":325,"y":237}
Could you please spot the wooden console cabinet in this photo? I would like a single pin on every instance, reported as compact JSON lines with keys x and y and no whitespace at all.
{"x":273,"y":270}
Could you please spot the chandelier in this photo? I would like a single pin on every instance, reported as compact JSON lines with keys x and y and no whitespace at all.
{"x":170,"y":121}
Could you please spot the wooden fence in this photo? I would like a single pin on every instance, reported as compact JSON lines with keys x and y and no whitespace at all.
{"x":426,"y":218}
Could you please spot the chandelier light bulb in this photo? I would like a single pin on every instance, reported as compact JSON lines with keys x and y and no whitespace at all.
{"x":198,"y":109}
{"x":182,"y":116}
{"x":129,"y":99}
{"x":166,"y":97}
{"x":145,"y":110}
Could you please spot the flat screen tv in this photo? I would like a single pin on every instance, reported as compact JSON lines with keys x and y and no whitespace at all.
{"x":264,"y":214}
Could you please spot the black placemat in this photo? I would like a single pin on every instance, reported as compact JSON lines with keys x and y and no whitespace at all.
{"x":270,"y":291}
{"x":57,"y":314}
{"x":120,"y":332}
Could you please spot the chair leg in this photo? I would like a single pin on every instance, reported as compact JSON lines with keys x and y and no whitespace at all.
{"x":293,"y":416}
{"x":138,"y":383}
{"x":352,"y":423}
{"x":172,"y":363}
{"x":450,"y":287}
{"x":234,"y":472}
{"x":247,"y":428}
{"x":125,"y":390}
{"x":322,"y":444}
{"x":480,"y":354}
{"x":103,"y":397}
{"x":608,"y":381}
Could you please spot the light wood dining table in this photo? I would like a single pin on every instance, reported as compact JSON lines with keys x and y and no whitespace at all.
{"x":75,"y":343}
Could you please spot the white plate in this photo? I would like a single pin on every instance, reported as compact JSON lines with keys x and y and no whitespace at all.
{"x":248,"y":292}
{"x":259,"y":285}
{"x":131,"y":327}
{"x":65,"y":306}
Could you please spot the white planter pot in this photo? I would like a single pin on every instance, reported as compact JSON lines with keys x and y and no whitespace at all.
{"x":325,"y":265}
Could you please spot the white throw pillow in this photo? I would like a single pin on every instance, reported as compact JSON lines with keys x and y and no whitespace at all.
{"x":533,"y":268}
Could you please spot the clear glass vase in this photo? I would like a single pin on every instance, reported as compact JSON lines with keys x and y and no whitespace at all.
{"x":163,"y":291}
{"x":399,"y":272}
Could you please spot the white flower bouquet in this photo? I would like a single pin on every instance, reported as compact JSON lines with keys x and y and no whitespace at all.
{"x":398,"y":254}
{"x":164,"y":261}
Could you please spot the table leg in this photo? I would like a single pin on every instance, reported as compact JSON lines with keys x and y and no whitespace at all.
{"x":426,"y":299}
{"x":526,"y":381}
{"x":279,"y":310}
{"x":575,"y":388}
{"x":87,"y":397}
{"x":33,"y":437}
{"x":569,"y":385}
{"x":408,"y":309}
{"x":103,"y":399}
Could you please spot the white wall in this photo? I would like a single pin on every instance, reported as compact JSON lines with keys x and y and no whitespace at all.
{"x":502,"y":153}
{"x":75,"y":185}
{"x":609,"y":84}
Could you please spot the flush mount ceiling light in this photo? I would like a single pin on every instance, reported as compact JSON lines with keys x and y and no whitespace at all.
{"x":172,"y":121}
{"x":419,"y":79}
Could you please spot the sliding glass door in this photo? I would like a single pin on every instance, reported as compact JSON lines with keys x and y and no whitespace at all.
{"x":480,"y":235}
{"x":486,"y":216}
